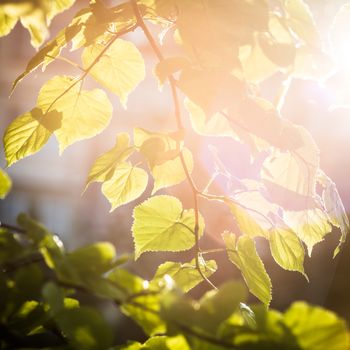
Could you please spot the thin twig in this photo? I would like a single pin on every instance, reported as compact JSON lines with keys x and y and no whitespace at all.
{"x":177,"y":113}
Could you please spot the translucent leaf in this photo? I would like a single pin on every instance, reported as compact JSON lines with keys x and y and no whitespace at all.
{"x":35,"y":22}
{"x":293,"y":172}
{"x":316,"y":328}
{"x":253,"y":213}
{"x":28,"y":133}
{"x":120,"y":68}
{"x":161,"y":224}
{"x":157,"y":147}
{"x":7,"y":22}
{"x":335,"y":209}
{"x":126,"y":185}
{"x":287,"y":249}
{"x":243,"y":254}
{"x":186,"y":276}
{"x":84,"y":113}
{"x":106,"y":164}
{"x":5,"y":184}
{"x":53,"y":48}
{"x":300,"y":20}
{"x":171,"y":172}
{"x":311,"y":225}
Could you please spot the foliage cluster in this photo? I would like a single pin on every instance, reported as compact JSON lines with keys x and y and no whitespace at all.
{"x":224,"y":50}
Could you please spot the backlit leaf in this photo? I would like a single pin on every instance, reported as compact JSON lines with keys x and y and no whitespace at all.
{"x":287,"y":249}
{"x":316,"y":328}
{"x":171,"y":172}
{"x":84,"y":113}
{"x":186,"y":276}
{"x":53,"y":48}
{"x":335,"y":209}
{"x":127,"y":184}
{"x":120,"y":67}
{"x":293,"y":172}
{"x":161,"y":224}
{"x":243,"y":254}
{"x":311,"y":225}
{"x":105,"y":165}
{"x":7,"y":22}
{"x":5,"y":184}
{"x":28,"y":133}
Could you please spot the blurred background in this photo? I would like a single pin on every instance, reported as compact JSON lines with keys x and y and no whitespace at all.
{"x":49,"y":187}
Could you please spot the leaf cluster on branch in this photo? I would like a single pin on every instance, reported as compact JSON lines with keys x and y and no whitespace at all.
{"x":224,"y":50}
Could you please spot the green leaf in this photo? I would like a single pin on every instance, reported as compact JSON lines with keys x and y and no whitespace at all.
{"x":186,"y":276}
{"x":287,"y":249}
{"x":96,"y":258}
{"x":28,"y":133}
{"x":85,"y":328}
{"x":217,"y":306}
{"x":5,"y":184}
{"x":127,"y":184}
{"x":106,"y":164}
{"x":245,"y":257}
{"x":84,"y":113}
{"x":54,"y":297}
{"x":119,"y":66}
{"x":171,"y":172}
{"x":161,"y":224}
{"x":316,"y":328}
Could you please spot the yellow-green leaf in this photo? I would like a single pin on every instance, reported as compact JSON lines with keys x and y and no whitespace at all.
{"x":127,"y":184}
{"x":84,"y":113}
{"x":35,"y":22}
{"x":171,"y":172}
{"x":300,"y":20}
{"x":7,"y":22}
{"x":161,"y":224}
{"x":28,"y":133}
{"x":186,"y":276}
{"x":316,"y":328}
{"x":5,"y":184}
{"x":120,"y":68}
{"x":105,"y":165}
{"x":287,"y":249}
{"x":243,"y":254}
{"x":311,"y":225}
